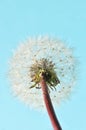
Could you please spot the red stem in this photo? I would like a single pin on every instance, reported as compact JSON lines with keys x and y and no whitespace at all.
{"x":49,"y":106}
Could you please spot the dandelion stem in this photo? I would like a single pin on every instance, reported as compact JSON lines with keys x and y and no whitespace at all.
{"x":49,"y":106}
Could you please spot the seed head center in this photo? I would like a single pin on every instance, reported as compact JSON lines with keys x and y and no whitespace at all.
{"x":45,"y":68}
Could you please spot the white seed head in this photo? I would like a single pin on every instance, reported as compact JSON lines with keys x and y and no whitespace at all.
{"x":33,"y":51}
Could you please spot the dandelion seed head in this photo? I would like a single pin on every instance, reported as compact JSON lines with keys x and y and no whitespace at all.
{"x":48,"y":54}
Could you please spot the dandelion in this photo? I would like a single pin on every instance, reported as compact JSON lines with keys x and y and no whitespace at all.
{"x":43,"y":66}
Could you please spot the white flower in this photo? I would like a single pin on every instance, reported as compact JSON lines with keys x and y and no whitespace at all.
{"x":27,"y":54}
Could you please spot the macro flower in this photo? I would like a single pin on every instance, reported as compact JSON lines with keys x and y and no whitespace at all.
{"x":42,"y":55}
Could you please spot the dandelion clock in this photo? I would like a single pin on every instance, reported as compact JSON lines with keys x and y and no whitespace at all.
{"x":42,"y":73}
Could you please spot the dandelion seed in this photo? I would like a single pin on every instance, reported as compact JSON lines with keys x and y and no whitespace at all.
{"x":42,"y":53}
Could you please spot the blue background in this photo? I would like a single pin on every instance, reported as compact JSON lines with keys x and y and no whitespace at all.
{"x":65,"y":19}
